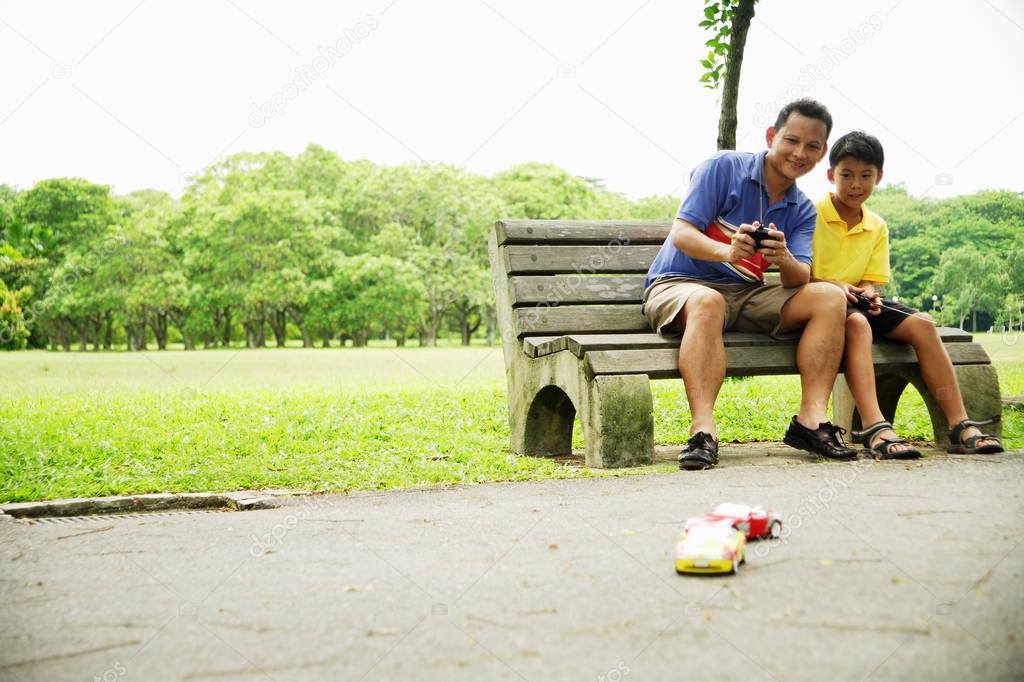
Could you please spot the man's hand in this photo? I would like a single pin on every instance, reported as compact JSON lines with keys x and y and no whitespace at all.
{"x":774,"y":249}
{"x":742,"y":244}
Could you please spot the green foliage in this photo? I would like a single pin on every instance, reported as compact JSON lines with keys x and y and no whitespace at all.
{"x":543,"y":191}
{"x":287,"y":243}
{"x":927,"y":238}
{"x":719,"y":21}
{"x":58,"y":214}
{"x":13,"y":330}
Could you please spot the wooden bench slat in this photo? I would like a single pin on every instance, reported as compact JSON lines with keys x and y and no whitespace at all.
{"x":536,"y":346}
{"x":743,"y":361}
{"x":580,"y":319}
{"x":578,"y":259}
{"x":576,"y":289}
{"x":581,"y":344}
{"x":539,"y":231}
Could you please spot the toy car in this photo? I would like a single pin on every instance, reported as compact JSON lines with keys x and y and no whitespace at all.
{"x":754,"y":522}
{"x":710,"y":548}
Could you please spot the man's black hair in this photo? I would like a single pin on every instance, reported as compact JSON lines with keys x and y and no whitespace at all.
{"x":806,"y":107}
{"x":858,"y":145}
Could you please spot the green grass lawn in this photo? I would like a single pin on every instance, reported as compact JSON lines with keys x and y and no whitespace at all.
{"x":81,"y":424}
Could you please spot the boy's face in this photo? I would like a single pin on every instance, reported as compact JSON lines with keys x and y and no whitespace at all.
{"x":796,"y":147}
{"x":854,"y":180}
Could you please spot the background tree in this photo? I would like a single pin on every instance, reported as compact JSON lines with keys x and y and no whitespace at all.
{"x":969,"y":281}
{"x":729,"y":21}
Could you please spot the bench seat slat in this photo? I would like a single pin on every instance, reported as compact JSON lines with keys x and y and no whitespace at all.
{"x":534,"y":232}
{"x":536,"y":346}
{"x":746,"y":360}
{"x":581,"y":344}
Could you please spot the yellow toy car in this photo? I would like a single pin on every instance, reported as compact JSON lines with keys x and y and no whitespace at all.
{"x":711,"y":548}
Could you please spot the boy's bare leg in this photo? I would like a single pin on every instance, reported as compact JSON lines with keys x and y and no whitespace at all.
{"x":936,"y":368}
{"x":702,"y":357}
{"x":860,"y":377}
{"x":819,"y":308}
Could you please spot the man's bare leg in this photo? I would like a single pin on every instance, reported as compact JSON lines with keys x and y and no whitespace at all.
{"x":820,"y":309}
{"x":702,"y":356}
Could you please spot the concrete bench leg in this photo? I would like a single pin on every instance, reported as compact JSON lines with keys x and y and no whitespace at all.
{"x":542,"y":423}
{"x":618,"y":421}
{"x":979,"y":385}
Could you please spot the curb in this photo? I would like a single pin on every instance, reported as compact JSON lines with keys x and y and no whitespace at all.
{"x":237,"y":501}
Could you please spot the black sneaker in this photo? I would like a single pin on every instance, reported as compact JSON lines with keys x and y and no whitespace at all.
{"x":825,"y":440}
{"x":701,"y":452}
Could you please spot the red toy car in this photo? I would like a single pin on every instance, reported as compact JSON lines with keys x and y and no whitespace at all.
{"x":754,"y":522}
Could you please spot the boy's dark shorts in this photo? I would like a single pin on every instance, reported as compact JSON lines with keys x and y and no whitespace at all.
{"x":886,"y":321}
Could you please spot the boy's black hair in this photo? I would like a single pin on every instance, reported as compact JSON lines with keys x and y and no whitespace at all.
{"x":859,"y":145}
{"x":805,"y":107}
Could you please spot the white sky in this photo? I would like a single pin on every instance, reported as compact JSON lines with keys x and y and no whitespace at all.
{"x":142,"y":94}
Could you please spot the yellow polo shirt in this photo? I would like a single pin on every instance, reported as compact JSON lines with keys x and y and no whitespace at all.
{"x":850,"y":254}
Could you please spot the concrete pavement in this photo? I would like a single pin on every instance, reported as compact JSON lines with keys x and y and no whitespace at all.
{"x":886,"y":571}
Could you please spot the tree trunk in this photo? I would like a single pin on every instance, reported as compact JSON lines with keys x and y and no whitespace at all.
{"x":400,"y":341}
{"x":974,"y":319}
{"x":83,"y":335}
{"x":491,"y":324}
{"x":278,"y":325}
{"x":359,"y":338}
{"x":743,"y":13}
{"x":108,"y":332}
{"x":225,"y":336}
{"x":160,"y":330}
{"x":427,"y":336}
{"x":307,"y":339}
{"x":327,"y":341}
{"x":260,"y":331}
{"x":143,"y":343}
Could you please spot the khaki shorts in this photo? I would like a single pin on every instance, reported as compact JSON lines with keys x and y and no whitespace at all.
{"x":748,"y":307}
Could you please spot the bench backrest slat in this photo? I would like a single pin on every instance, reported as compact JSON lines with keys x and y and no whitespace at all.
{"x":575,"y":289}
{"x":580,"y":319}
{"x":576,"y":259}
{"x":579,"y":231}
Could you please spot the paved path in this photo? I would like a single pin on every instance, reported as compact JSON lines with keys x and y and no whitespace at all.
{"x":887,"y":571}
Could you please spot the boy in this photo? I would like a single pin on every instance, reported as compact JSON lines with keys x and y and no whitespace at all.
{"x":851,"y":250}
{"x":707,"y":278}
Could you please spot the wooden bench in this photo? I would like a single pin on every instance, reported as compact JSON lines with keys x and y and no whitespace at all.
{"x":568,"y":303}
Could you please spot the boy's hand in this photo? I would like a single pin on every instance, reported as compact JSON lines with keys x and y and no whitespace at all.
{"x":774,"y":249}
{"x":871,"y":294}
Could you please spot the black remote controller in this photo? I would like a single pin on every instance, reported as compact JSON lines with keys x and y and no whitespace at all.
{"x":862,"y":302}
{"x":759,"y":235}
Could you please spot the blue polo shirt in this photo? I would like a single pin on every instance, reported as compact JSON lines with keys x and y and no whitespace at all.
{"x":728,"y":189}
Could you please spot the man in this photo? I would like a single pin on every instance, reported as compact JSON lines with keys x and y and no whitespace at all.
{"x":709,"y":277}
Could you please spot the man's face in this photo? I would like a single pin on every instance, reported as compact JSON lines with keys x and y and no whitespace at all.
{"x":855,"y":180}
{"x":795,"y":148}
